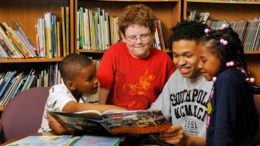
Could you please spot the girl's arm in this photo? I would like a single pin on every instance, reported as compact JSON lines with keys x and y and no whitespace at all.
{"x":226,"y":113}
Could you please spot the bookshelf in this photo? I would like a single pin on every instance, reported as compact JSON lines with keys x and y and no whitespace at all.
{"x":231,"y":11}
{"x":26,"y":13}
{"x":169,"y":13}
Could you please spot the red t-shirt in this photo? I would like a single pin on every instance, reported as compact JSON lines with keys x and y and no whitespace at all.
{"x":134,"y":83}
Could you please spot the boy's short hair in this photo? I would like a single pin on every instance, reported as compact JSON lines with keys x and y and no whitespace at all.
{"x":137,"y":14}
{"x":187,"y":30}
{"x":71,"y":64}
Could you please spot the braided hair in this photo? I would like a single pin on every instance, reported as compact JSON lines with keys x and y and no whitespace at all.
{"x":231,"y":51}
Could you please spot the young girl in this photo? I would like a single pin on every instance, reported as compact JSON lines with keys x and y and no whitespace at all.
{"x":232,"y":116}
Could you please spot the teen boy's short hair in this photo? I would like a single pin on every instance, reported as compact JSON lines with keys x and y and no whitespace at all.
{"x":187,"y":30}
{"x":71,"y":64}
{"x":137,"y":14}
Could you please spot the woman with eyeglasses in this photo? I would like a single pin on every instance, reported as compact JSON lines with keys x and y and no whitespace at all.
{"x":132,"y":73}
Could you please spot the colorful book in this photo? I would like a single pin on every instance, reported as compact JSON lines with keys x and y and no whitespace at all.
{"x":63,"y":31}
{"x":6,"y":81}
{"x":42,"y":140}
{"x":67,"y":140}
{"x":97,"y":140}
{"x":47,"y":18}
{"x":67,"y":31}
{"x":113,"y":122}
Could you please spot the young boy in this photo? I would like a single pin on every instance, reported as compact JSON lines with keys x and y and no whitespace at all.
{"x":132,"y":73}
{"x":79,"y":78}
{"x":185,"y":95}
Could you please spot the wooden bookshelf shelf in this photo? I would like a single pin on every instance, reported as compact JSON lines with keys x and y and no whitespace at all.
{"x":139,"y":0}
{"x":90,"y":51}
{"x":97,"y":51}
{"x":252,"y":52}
{"x":2,"y":108}
{"x":223,"y":2}
{"x":30,"y":60}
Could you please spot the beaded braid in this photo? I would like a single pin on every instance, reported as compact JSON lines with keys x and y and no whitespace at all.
{"x":228,"y":47}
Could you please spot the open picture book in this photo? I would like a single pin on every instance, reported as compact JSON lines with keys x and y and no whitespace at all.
{"x":113,"y":122}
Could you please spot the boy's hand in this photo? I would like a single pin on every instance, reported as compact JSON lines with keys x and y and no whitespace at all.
{"x":55,"y":125}
{"x":174,"y":135}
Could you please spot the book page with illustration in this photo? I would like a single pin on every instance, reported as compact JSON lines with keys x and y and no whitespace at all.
{"x":114,"y":122}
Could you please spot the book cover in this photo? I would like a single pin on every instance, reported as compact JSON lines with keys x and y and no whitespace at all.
{"x":67,"y":140}
{"x":41,"y":140}
{"x":97,"y":140}
{"x":113,"y":122}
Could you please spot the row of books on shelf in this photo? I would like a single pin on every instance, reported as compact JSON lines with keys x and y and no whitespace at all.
{"x":248,"y":30}
{"x":51,"y":35}
{"x":96,"y":30}
{"x":15,"y":43}
{"x":13,"y":82}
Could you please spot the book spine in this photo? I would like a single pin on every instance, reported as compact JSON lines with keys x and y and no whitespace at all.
{"x":26,"y":38}
{"x":63,"y":31}
{"x":67,"y":30}
{"x":47,"y":18}
{"x":9,"y":43}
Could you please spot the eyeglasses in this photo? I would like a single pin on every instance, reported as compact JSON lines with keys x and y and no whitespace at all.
{"x":143,"y":37}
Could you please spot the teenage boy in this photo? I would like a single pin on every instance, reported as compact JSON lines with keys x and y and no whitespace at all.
{"x":185,"y":95}
{"x":79,"y":76}
{"x":132,"y":73}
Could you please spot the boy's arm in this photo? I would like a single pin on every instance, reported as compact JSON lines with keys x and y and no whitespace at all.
{"x":55,"y":125}
{"x":175,"y":135}
{"x":73,"y":106}
{"x":103,"y":94}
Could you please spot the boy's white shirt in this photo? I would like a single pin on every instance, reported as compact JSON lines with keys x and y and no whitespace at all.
{"x":176,"y":90}
{"x":59,"y":96}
